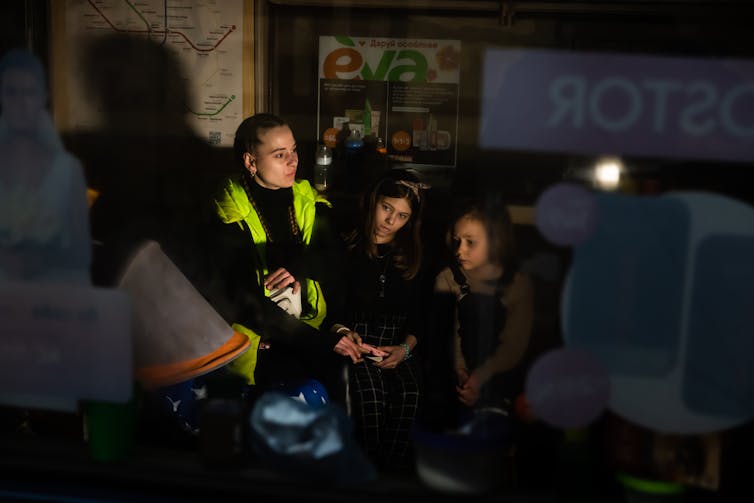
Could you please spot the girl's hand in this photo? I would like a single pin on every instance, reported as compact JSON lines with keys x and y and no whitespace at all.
{"x":281,"y":278}
{"x":393,"y":355}
{"x":468,"y":391}
{"x":372,"y":350}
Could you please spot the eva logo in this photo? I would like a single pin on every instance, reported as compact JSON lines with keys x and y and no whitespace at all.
{"x":377,"y":59}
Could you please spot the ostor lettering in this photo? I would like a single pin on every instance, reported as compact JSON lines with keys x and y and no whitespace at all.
{"x":618,"y":104}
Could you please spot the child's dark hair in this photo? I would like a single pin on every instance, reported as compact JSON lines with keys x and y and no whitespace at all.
{"x":501,"y":244}
{"x":407,"y":246}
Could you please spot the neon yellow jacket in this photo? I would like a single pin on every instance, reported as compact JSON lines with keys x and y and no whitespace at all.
{"x":233,"y":207}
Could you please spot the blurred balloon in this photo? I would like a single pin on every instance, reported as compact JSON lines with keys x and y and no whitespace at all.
{"x":567,"y":388}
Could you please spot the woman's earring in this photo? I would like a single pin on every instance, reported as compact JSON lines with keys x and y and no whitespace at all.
{"x":248,"y":162}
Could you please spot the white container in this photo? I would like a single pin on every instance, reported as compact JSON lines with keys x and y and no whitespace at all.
{"x":322,"y":164}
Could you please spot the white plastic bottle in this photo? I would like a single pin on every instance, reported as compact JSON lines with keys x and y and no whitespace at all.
{"x":323,"y":160}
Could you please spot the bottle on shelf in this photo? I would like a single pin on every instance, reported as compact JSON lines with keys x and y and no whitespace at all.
{"x":419,"y":134}
{"x":354,"y":142}
{"x":322,"y":166}
{"x":354,"y":161}
{"x":367,"y":118}
{"x":432,"y":132}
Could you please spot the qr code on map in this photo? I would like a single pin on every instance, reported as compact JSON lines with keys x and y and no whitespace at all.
{"x":215,"y":137}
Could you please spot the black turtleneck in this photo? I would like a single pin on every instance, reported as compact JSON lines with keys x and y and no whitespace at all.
{"x":283,"y":247}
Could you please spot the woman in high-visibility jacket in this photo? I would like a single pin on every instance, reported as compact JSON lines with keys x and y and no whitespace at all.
{"x":276,"y":243}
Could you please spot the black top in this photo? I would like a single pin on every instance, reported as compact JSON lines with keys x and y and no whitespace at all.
{"x":273,"y":207}
{"x":275,"y":210}
{"x":481,"y":320}
{"x":375,"y":287}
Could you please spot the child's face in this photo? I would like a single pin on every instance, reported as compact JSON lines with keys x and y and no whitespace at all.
{"x":390,"y":215}
{"x":471,"y":242}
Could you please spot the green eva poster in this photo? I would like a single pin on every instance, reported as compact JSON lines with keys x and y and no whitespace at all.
{"x":402,"y":90}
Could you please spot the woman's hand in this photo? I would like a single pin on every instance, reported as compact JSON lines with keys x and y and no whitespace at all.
{"x":348,"y":347}
{"x":354,"y":338}
{"x":468,"y":387}
{"x":281,"y":278}
{"x":394,"y":355}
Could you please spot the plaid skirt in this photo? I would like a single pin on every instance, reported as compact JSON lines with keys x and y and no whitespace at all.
{"x":385,"y":402}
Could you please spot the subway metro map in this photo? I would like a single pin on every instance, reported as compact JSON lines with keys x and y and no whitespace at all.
{"x":207,"y":37}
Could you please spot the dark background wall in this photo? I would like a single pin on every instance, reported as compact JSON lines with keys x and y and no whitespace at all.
{"x":694,"y":29}
{"x":25,"y":23}
{"x":719,"y":29}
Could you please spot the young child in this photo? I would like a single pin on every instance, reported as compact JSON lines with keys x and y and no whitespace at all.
{"x":493,"y":300}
